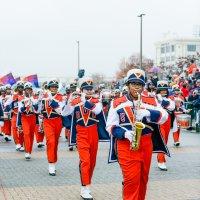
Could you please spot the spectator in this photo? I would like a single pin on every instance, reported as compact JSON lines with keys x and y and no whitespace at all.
{"x":185,"y":91}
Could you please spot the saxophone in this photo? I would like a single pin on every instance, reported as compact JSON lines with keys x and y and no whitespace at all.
{"x":137,"y":129}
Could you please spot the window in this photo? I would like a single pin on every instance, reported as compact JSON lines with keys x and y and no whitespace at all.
{"x":191,"y":47}
{"x":172,"y":48}
{"x":173,"y":58}
{"x":162,"y":59}
{"x":167,"y":59}
{"x":162,"y":49}
{"x":167,"y":48}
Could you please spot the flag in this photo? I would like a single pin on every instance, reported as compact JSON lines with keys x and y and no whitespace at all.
{"x":8,"y":79}
{"x":17,"y":79}
{"x":33,"y":79}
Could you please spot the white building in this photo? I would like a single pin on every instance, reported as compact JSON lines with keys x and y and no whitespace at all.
{"x":168,"y":50}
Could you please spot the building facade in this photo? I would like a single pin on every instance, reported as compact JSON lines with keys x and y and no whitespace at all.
{"x":169,"y":50}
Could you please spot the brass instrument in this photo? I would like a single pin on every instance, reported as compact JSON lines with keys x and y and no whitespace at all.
{"x":137,"y":129}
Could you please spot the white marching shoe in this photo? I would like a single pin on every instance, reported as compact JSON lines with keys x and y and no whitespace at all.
{"x":27,"y":156}
{"x":18,"y":146}
{"x":52,"y":169}
{"x":85,"y":193}
{"x":162,"y":166}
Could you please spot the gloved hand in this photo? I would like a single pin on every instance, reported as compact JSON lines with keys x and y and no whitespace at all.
{"x":50,"y":96}
{"x":159,"y":97}
{"x":83,"y":95}
{"x":141,"y":113}
{"x":1,"y":124}
{"x":129,"y":135}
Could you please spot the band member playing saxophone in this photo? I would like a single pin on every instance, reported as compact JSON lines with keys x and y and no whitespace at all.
{"x":130,"y":115}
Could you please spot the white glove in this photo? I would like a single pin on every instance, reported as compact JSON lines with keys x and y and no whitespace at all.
{"x":129,"y":135}
{"x":1,"y":124}
{"x":83,"y":97}
{"x":50,"y":96}
{"x":141,"y":113}
{"x":159,"y":97}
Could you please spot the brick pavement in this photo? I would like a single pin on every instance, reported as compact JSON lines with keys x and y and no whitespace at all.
{"x":20,"y":179}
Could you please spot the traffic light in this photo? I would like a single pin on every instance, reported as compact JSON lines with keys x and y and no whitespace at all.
{"x":81,"y":73}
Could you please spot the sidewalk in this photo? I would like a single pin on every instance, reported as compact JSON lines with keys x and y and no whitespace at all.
{"x":20,"y":179}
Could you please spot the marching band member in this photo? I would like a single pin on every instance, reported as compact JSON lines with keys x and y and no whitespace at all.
{"x":26,"y":121}
{"x":68,"y":92}
{"x":168,"y":104}
{"x":1,"y":116}
{"x":52,"y":104}
{"x":39,"y":132}
{"x":106,"y":98}
{"x":5,"y":96}
{"x":13,"y":102}
{"x":123,"y":114}
{"x":179,"y":109}
{"x":87,"y":118}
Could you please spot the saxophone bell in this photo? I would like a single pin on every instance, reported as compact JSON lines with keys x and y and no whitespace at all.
{"x":138,"y":127}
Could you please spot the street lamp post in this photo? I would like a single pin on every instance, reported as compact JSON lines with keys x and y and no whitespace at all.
{"x":141,"y":15}
{"x":78,"y":43}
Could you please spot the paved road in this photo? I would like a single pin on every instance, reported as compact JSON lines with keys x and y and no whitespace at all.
{"x":20,"y":179}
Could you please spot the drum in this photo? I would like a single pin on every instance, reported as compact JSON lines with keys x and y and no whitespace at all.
{"x":184,"y":120}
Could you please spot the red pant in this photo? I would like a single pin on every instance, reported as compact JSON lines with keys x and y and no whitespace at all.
{"x":52,"y":130}
{"x":165,"y":129}
{"x":6,"y":129}
{"x":18,"y":138}
{"x":38,"y":134}
{"x":87,"y":145}
{"x":176,"y":135}
{"x":135,"y":167}
{"x":28,"y":126}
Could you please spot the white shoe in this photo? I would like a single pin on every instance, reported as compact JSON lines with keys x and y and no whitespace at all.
{"x":176,"y":144}
{"x":88,"y":187}
{"x":85,"y":193}
{"x":18,"y":146}
{"x":7,"y":138}
{"x":162,"y":166}
{"x":21,"y":149}
{"x":52,"y":169}
{"x":27,"y":156}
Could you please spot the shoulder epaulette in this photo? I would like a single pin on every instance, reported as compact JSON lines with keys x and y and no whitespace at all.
{"x":76,"y":101}
{"x":149,"y":100}
{"x":59,"y":97}
{"x":94,"y":100}
{"x":171,"y":97}
{"x":119,"y":101}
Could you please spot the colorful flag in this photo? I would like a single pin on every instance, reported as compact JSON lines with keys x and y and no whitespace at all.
{"x":8,"y":79}
{"x":17,"y":79}
{"x":33,"y":79}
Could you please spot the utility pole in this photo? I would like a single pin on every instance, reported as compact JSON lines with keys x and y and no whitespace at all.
{"x":141,"y":15}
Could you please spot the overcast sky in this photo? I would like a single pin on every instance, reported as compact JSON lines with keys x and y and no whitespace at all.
{"x":39,"y":36}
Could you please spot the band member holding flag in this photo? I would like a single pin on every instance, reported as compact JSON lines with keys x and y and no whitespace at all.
{"x":88,"y":127}
{"x":26,"y":121}
{"x":133,"y":125}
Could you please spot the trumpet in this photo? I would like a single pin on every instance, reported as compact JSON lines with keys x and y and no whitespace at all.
{"x":137,"y":129}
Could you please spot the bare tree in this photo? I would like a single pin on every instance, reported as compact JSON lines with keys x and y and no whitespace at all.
{"x":132,"y":62}
{"x":98,"y":78}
